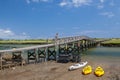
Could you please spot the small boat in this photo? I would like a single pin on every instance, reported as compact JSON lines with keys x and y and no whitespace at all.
{"x":87,"y":70}
{"x":99,"y":71}
{"x":78,"y":65}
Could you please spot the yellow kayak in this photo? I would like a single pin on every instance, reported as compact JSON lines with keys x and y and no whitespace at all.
{"x":87,"y":70}
{"x":99,"y":71}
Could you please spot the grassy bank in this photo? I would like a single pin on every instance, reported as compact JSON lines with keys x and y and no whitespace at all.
{"x":25,"y":41}
{"x":112,"y":41}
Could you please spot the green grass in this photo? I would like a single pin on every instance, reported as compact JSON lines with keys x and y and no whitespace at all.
{"x":112,"y":41}
{"x":25,"y":41}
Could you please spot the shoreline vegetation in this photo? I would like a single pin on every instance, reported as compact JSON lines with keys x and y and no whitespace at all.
{"x":28,"y":41}
{"x":112,"y":43}
{"x":52,"y":70}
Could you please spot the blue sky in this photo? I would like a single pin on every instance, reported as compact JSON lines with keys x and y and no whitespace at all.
{"x":21,"y":19}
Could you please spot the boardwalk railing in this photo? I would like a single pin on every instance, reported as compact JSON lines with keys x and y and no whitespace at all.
{"x":51,"y":51}
{"x":58,"y":42}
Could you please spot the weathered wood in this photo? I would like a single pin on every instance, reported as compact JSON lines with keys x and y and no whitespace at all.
{"x":69,"y":50}
{"x":32,"y":55}
{"x":41,"y":54}
{"x":51,"y":53}
{"x":62,"y":48}
{"x":46,"y":52}
{"x":16,"y":56}
{"x":59,"y":42}
{"x":57,"y":51}
{"x":1,"y":61}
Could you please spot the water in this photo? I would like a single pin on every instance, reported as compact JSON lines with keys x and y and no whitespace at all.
{"x":103,"y":54}
{"x":100,"y":54}
{"x":11,"y":46}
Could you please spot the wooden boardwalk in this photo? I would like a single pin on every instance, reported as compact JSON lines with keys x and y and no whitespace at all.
{"x":66,"y":46}
{"x":58,"y":42}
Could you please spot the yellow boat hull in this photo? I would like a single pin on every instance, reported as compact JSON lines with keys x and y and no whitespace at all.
{"x":87,"y":70}
{"x":99,"y":71}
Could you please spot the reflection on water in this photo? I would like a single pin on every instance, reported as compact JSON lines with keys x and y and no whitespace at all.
{"x":11,"y":46}
{"x":103,"y":54}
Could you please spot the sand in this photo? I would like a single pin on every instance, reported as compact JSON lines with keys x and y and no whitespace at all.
{"x":52,"y":70}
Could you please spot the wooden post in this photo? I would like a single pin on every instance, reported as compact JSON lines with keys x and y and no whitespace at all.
{"x":56,"y":38}
{"x":1,"y":61}
{"x":36,"y":53}
{"x":66,"y":46}
{"x":85,"y":44}
{"x":70,"y":48}
{"x":41,"y":54}
{"x":78,"y":43}
{"x":57,"y":51}
{"x":46,"y":52}
{"x":73,"y":45}
{"x":32,"y":55}
{"x":22,"y":58}
{"x":56,"y":46}
{"x":47,"y":41}
{"x":51,"y":53}
{"x":90,"y":43}
{"x":82,"y":45}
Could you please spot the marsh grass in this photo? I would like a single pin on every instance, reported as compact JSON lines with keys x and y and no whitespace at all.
{"x":112,"y":41}
{"x":25,"y":41}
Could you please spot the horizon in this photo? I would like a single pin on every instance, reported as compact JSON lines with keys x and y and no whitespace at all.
{"x":42,"y":19}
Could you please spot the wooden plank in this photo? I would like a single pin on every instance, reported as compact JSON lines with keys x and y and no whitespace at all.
{"x":17,"y":58}
{"x":59,"y":41}
{"x":26,"y":48}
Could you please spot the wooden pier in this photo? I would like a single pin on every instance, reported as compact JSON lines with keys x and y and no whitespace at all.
{"x":62,"y":49}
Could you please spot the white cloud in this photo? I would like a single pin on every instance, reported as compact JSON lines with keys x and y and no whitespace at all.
{"x":108,"y":14}
{"x":75,"y":28}
{"x":75,"y":3}
{"x":78,"y":3}
{"x":37,"y":1}
{"x":101,"y":6}
{"x":28,"y":1}
{"x":64,"y":3}
{"x":8,"y":34}
{"x":117,"y":23}
{"x":45,"y":0}
{"x":112,"y":3}
{"x":93,"y":33}
{"x":102,"y":1}
{"x":89,"y":32}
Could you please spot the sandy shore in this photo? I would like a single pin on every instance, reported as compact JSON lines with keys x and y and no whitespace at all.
{"x":59,"y":71}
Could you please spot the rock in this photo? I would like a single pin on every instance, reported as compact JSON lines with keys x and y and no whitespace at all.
{"x":13,"y":68}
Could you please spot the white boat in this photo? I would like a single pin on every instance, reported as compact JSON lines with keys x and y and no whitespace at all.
{"x":78,"y":65}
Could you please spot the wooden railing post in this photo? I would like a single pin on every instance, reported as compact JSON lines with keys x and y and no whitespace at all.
{"x":46,"y":52}
{"x":57,"y":46}
{"x":1,"y":61}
